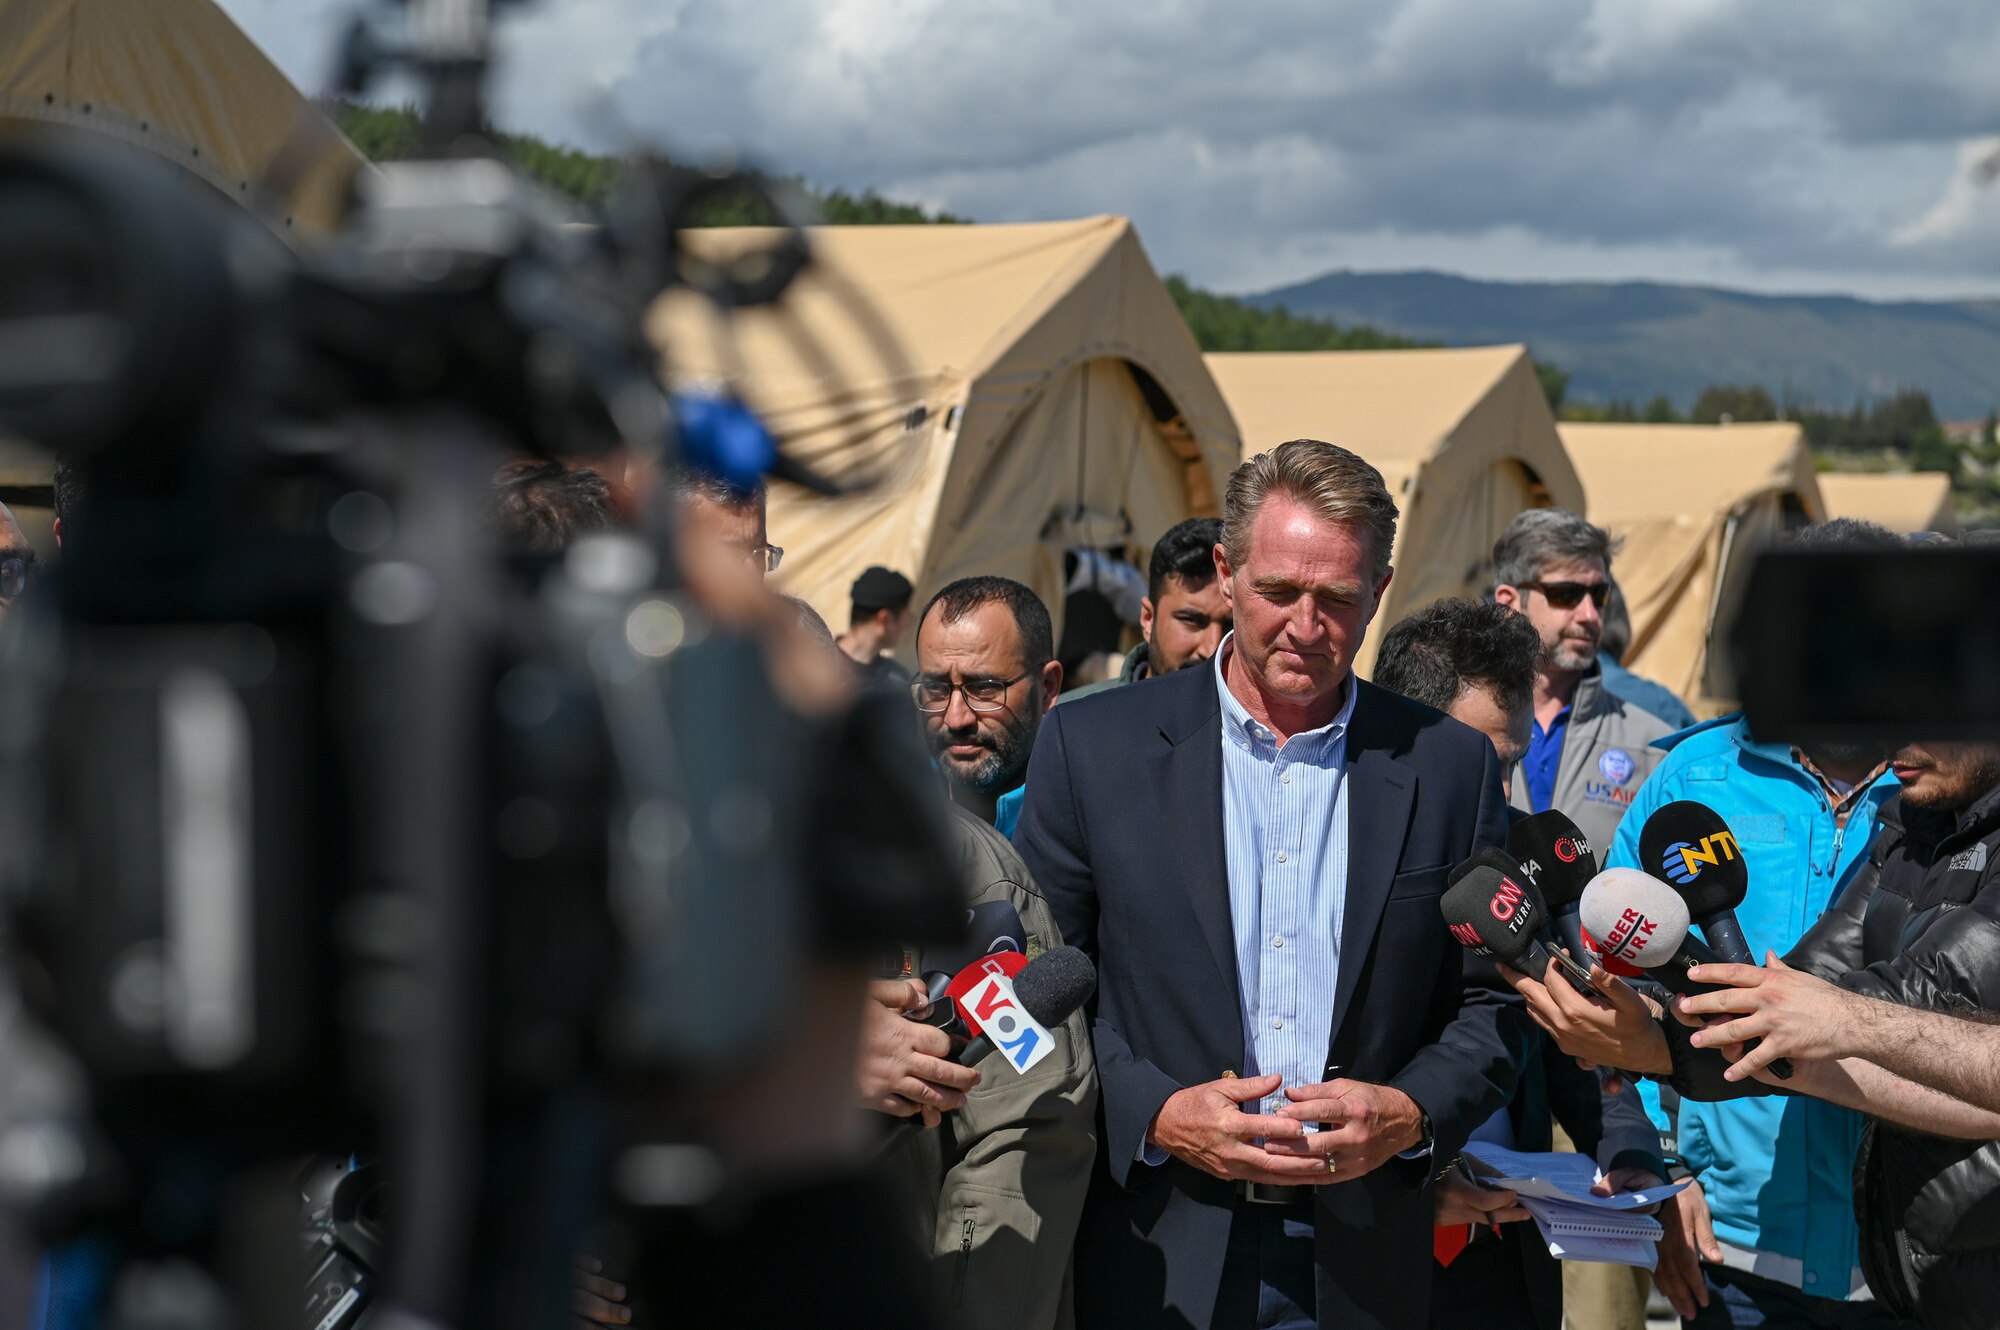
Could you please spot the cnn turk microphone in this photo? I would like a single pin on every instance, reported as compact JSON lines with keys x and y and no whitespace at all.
{"x":1554,"y":854}
{"x":1689,"y":845}
{"x":1012,"y":1009}
{"x":1536,"y":911}
{"x":1641,"y":920}
{"x":1495,"y":913}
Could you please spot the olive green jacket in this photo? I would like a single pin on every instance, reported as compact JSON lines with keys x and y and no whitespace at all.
{"x":999,"y":1186}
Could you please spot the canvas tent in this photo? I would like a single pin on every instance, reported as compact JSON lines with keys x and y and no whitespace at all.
{"x":1463,"y":437}
{"x":1017,"y":391}
{"x":179,"y":79}
{"x":1692,"y":503}
{"x":1905,"y":502}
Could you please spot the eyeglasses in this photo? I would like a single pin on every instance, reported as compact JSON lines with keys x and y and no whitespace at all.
{"x":768,"y":555}
{"x":1565,"y":595}
{"x":14,"y":573}
{"x":934,"y":695}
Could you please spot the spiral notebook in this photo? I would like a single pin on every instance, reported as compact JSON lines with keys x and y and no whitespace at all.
{"x":1576,"y":1224}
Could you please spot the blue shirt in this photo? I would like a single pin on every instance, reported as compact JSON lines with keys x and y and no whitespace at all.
{"x":1284,"y":824}
{"x":1778,"y":1170}
{"x":1007,"y":810}
{"x":1544,"y":755}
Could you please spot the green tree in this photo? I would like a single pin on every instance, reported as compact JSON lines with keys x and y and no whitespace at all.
{"x":1728,"y":400}
{"x":1660,"y":411}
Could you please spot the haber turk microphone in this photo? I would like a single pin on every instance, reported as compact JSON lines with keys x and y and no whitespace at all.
{"x":1537,"y":911}
{"x":1689,"y":845}
{"x":1554,"y":854}
{"x":1014,"y":1008}
{"x":1639,"y":919}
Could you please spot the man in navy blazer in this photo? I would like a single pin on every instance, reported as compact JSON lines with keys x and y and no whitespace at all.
{"x":1289,"y":1041}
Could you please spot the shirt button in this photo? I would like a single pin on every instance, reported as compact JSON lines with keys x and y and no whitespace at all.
{"x":1281,"y":856}
{"x":1285,"y":779}
{"x":1811,"y":1278}
{"x":1277,"y":941}
{"x":1277,"y":1023}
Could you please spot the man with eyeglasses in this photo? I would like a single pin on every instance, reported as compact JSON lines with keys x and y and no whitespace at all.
{"x":17,"y":561}
{"x":1589,"y":750}
{"x":986,"y":675}
{"x":719,"y":514}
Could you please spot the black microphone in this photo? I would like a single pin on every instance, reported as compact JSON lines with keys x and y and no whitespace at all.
{"x":1555,"y":855}
{"x":1496,"y":913}
{"x":1047,"y":991}
{"x":1639,"y":919}
{"x":991,"y":927}
{"x":1689,"y":845}
{"x":1537,"y":911}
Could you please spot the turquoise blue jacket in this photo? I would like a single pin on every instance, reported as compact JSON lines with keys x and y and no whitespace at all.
{"x":1778,"y":1171}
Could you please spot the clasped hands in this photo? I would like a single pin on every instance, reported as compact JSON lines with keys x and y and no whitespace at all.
{"x":1366,"y":1124}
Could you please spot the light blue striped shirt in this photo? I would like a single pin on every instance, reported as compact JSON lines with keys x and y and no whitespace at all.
{"x":1284,"y":825}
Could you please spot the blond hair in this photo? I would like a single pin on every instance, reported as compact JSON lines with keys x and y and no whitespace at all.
{"x":1335,"y":484}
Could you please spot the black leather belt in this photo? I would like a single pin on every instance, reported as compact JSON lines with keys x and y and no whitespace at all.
{"x":1265,"y":1193}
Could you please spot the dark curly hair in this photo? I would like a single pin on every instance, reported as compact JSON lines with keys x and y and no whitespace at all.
{"x":1445,"y":647}
{"x":540,"y":507}
{"x":1031,"y":617}
{"x":1187,"y":551}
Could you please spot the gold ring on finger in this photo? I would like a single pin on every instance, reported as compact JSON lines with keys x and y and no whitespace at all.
{"x":1332,"y":1164}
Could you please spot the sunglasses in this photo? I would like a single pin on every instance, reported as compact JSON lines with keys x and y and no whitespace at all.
{"x":1566,"y":595}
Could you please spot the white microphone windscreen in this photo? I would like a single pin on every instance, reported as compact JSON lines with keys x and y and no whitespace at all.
{"x":1634,"y":917}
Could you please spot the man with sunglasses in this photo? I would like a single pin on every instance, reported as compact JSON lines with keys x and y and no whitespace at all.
{"x":17,"y":561}
{"x":986,"y":675}
{"x":1589,"y":750}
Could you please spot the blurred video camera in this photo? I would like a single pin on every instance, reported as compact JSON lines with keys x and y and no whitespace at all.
{"x":327,"y":825}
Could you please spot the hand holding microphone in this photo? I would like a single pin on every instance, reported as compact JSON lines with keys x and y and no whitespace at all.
{"x":1639,"y":919}
{"x":1013,"y":1006}
{"x":1689,"y":845}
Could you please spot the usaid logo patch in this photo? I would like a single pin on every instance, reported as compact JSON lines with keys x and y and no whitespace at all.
{"x":993,"y":1005}
{"x":1616,"y":764}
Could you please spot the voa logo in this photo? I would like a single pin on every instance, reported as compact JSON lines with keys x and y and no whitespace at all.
{"x":996,"y":1009}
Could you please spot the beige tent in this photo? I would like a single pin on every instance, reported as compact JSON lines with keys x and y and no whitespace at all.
{"x":1463,"y":437}
{"x":1904,"y":502}
{"x":1691,"y":503}
{"x":179,"y":79}
{"x":1018,"y":391}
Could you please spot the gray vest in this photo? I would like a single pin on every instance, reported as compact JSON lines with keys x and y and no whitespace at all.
{"x":1607,"y":754}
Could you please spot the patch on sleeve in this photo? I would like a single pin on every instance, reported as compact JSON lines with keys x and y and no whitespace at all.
{"x":1971,"y":859}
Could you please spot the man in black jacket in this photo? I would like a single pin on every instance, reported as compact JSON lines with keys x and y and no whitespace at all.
{"x":1919,"y":926}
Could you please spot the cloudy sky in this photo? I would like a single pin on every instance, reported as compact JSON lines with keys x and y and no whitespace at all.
{"x":1818,"y":145}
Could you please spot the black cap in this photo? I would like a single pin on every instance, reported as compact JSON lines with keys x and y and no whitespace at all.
{"x":881,"y":588}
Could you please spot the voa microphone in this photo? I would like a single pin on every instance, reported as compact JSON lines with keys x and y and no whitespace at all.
{"x":1554,"y":853}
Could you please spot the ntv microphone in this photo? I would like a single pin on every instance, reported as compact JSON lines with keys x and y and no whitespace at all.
{"x":1010,"y":1003}
{"x":1493,"y":910}
{"x":1688,"y":844}
{"x":1641,"y":920}
{"x":1557,"y":858}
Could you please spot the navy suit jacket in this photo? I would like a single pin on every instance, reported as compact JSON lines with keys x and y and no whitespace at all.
{"x":1122,"y":828}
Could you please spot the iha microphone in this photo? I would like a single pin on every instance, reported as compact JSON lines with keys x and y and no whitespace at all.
{"x":1689,"y":845}
{"x":1536,"y":908}
{"x":1013,"y":1007}
{"x":1641,"y":920}
{"x":1558,"y":859}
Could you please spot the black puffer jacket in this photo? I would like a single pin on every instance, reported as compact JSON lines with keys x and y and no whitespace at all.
{"x":1920,"y":925}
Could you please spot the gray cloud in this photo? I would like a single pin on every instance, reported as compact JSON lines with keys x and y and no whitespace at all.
{"x":1761,"y":142}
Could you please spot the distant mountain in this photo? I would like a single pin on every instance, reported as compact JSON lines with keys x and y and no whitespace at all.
{"x":1632,"y":340}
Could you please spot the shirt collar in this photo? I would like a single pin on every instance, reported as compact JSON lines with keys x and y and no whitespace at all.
{"x":1239,"y":722}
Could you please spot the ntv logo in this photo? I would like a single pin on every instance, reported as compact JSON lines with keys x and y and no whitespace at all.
{"x":1683,"y":861}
